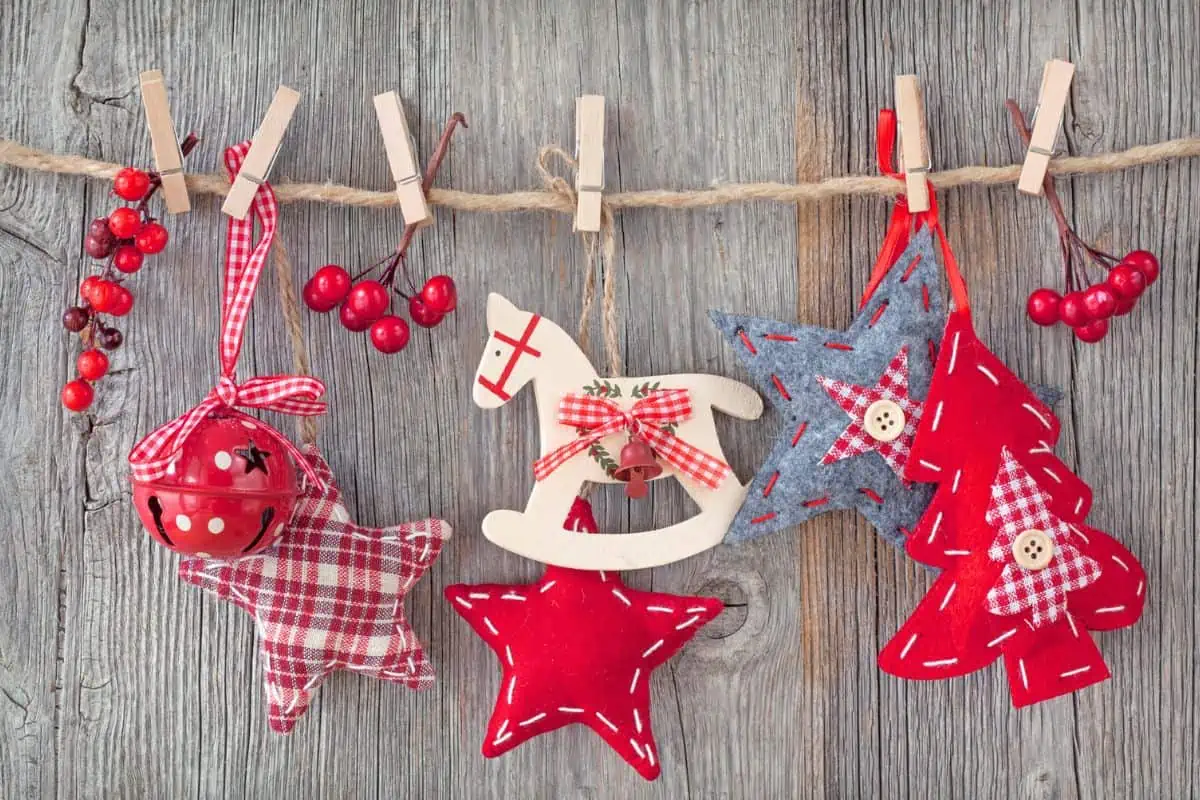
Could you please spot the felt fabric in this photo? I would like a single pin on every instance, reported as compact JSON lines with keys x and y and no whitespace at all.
{"x":818,"y":378}
{"x":982,"y":431}
{"x":579,"y":647}
{"x":329,"y":595}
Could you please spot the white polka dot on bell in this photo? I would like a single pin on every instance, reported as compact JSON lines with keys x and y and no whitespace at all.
{"x":248,"y":425}
{"x":203,"y":554}
{"x":183,"y":522}
{"x":171,"y":468}
{"x":223,"y":460}
{"x":216,"y":525}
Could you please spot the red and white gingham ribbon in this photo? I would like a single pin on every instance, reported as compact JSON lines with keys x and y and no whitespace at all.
{"x":599,"y":417}
{"x":288,"y":394}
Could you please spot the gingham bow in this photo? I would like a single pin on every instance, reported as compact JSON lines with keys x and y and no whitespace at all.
{"x":597,"y":417}
{"x":288,"y":394}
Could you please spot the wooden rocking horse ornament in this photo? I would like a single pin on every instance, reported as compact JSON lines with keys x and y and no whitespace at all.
{"x":582,"y":419}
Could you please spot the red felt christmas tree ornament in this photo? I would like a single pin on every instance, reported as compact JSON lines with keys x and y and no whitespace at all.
{"x":216,"y":481}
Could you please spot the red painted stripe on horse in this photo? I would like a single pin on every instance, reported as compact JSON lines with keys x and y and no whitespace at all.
{"x":520,"y":348}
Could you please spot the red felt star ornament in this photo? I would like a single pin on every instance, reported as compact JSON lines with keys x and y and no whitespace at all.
{"x":579,"y":647}
{"x":874,"y":422}
{"x":329,"y":595}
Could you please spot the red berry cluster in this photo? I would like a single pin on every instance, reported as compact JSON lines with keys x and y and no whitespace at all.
{"x":364,"y":304}
{"x":122,"y":240}
{"x":1088,"y":311}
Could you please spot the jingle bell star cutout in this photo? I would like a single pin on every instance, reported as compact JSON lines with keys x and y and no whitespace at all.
{"x":579,"y":647}
{"x":328,"y":596}
{"x":850,"y":402}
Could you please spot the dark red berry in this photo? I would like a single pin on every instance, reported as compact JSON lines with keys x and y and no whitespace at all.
{"x":1127,"y":281}
{"x":1042,"y":307}
{"x":75,"y":319}
{"x":77,"y":395}
{"x":92,"y":364}
{"x":1099,"y":301}
{"x":120,"y":301}
{"x":440,"y":294}
{"x":389,"y":334}
{"x":151,"y":239}
{"x":1124,"y":305}
{"x":351,"y":321}
{"x":99,"y":228}
{"x":368,"y":300}
{"x":131,"y":184}
{"x":98,"y":248}
{"x":1145,"y":262}
{"x":1092,"y":332}
{"x":1072,"y":310}
{"x":422,"y":314}
{"x":326,"y":288}
{"x":124,"y":223}
{"x":109,"y":338}
{"x":128,"y":259}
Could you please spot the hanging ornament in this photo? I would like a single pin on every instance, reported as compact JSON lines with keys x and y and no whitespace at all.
{"x":1022,"y":575}
{"x":579,"y":647}
{"x":328,"y":596}
{"x":216,"y":481}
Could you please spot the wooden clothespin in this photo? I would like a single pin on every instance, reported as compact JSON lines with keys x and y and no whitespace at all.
{"x":589,"y":152}
{"x":1047,"y":119}
{"x":402,"y":158}
{"x":263,"y":149}
{"x":914,"y":141}
{"x":168,"y":158}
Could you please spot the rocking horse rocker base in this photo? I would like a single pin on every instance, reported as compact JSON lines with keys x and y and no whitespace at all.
{"x":583,"y":420}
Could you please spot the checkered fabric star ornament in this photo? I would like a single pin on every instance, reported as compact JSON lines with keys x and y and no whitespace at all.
{"x":815,"y":377}
{"x":328,"y":596}
{"x":579,"y":647}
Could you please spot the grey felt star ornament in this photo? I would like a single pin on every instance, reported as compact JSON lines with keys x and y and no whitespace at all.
{"x":849,"y":401}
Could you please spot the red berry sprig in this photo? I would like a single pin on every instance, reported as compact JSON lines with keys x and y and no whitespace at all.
{"x":364,"y":304}
{"x":122,"y":240}
{"x":1085,"y":306}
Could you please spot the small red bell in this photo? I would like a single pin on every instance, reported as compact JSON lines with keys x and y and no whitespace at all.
{"x":229,"y":491}
{"x":638,"y":465}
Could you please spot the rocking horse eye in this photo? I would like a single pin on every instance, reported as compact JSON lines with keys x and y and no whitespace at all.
{"x":497,"y":354}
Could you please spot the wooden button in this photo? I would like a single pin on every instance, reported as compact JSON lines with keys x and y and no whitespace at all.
{"x":884,"y":420}
{"x":1033,"y":549}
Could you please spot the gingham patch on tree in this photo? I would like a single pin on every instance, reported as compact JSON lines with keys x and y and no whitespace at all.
{"x":328,"y":596}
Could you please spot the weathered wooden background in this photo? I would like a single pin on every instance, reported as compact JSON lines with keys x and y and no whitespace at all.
{"x":117,"y":680}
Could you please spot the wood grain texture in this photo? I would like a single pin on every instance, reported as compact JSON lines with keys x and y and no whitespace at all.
{"x":117,"y":680}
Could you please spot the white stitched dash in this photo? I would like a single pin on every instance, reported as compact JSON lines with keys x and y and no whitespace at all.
{"x":478,"y":595}
{"x":946,"y":599}
{"x":911,"y":641}
{"x":1141,"y":586}
{"x":697,"y":610}
{"x":1043,"y":447}
{"x":1053,"y":475}
{"x":508,"y":655}
{"x":1110,"y":609}
{"x":1071,"y":672}
{"x":637,"y":747}
{"x":621,"y":597}
{"x":941,"y":662}
{"x":532,"y":719}
{"x":570,"y":710}
{"x":501,"y":739}
{"x":953,"y":354}
{"x":1071,"y":622}
{"x":1024,"y":675}
{"x":927,"y":465}
{"x":512,"y":596}
{"x":1041,"y":417}
{"x":603,"y":575}
{"x":937,"y":414}
{"x":660,"y":609}
{"x":933,"y":529}
{"x":1121,"y":563}
{"x":990,"y":375}
{"x":1078,"y":505}
{"x":313,"y":681}
{"x":462,"y":601}
{"x":1001,"y":637}
{"x":692,"y":620}
{"x":637,"y":720}
{"x":418,"y":534}
{"x":606,"y":721}
{"x":239,"y":594}
{"x":503,"y":728}
{"x":650,"y":754}
{"x":954,"y":486}
{"x":292,"y":705}
{"x":652,"y":648}
{"x":491,"y":627}
{"x":546,"y":588}
{"x":512,"y":684}
{"x":956,"y":552}
{"x":411,"y":666}
{"x":637,"y":673}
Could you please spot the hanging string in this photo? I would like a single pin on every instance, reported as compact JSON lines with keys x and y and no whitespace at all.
{"x":307,"y":426}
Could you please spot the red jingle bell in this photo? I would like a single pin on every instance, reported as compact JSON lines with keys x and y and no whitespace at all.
{"x":638,"y":465}
{"x":229,"y":492}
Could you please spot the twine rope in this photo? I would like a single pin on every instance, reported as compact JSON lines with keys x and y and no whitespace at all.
{"x":284,"y":272}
